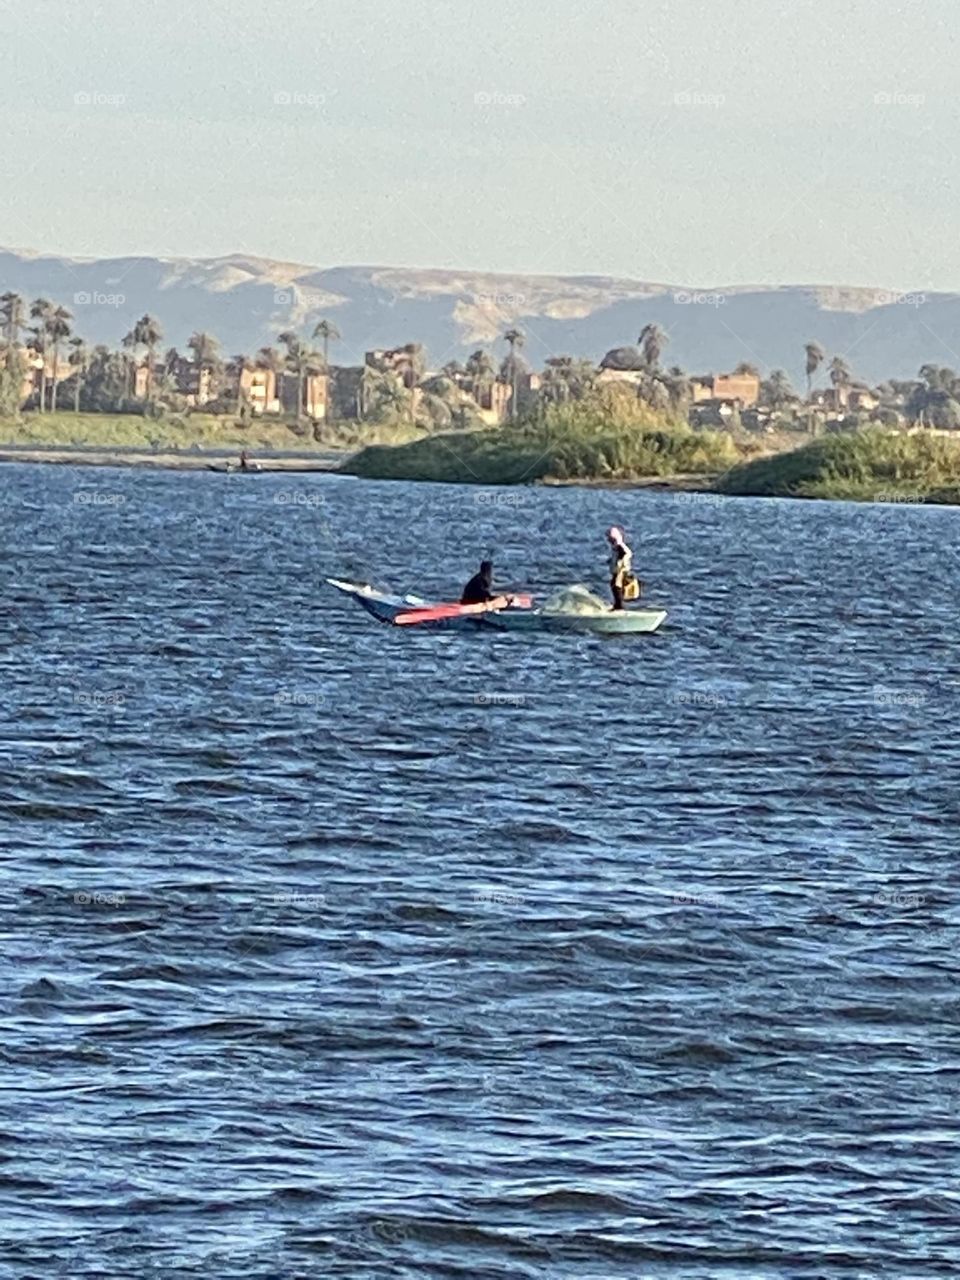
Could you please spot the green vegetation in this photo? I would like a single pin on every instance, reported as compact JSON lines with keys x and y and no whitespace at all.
{"x":195,"y":430}
{"x":133,"y":431}
{"x":870,"y":465}
{"x":609,"y":436}
{"x":627,"y":418}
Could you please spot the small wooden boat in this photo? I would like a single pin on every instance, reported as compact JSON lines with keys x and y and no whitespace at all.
{"x":574,"y":610}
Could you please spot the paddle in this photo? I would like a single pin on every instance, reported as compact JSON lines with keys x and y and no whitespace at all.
{"x":435,"y":612}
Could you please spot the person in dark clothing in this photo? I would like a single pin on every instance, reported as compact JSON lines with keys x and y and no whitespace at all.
{"x":480,"y":587}
{"x":244,"y":460}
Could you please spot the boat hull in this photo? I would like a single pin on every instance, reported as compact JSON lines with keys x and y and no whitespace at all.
{"x":385,"y":607}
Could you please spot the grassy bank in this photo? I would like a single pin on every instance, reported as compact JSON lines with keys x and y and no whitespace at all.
{"x":871,"y":465}
{"x":606,"y":438}
{"x":192,"y":431}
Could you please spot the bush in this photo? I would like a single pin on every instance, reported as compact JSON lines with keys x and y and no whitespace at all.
{"x":865,"y":464}
{"x":607,"y":435}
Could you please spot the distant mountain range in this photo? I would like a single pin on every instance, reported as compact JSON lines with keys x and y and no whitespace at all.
{"x":246,"y":302}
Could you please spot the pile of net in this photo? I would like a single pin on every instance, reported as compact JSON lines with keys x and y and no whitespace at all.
{"x":575,"y":599}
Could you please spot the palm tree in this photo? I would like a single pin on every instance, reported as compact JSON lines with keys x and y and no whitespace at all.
{"x":129,"y":343}
{"x":242,"y":364}
{"x":205,"y":348}
{"x":777,"y":391}
{"x":515,"y":338}
{"x":329,"y":332}
{"x":271,"y":359}
{"x":80,"y":360}
{"x":12,"y":316}
{"x":815,"y":358}
{"x":58,"y":330}
{"x":840,"y":378}
{"x":147,"y":333}
{"x":41,"y":310}
{"x":296,"y":363}
{"x":651,"y":342}
{"x":206,"y":356}
{"x":480,"y":368}
{"x":389,"y":396}
{"x":567,"y":378}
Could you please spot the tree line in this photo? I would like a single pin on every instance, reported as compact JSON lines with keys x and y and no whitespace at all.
{"x":102,"y":379}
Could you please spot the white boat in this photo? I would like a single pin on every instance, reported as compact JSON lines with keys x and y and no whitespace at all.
{"x":573,"y":610}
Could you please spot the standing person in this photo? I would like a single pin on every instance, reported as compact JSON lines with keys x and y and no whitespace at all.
{"x":244,"y":460}
{"x":621,"y":565}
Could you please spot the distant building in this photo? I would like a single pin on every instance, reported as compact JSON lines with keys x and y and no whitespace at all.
{"x":316,"y":394}
{"x":258,"y":388}
{"x":738,"y":390}
{"x":856,"y":396}
{"x":32,"y":368}
{"x":492,"y":398}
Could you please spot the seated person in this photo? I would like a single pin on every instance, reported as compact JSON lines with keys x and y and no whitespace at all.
{"x":480,"y":587}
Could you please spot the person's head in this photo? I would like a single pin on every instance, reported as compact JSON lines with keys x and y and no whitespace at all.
{"x":486,"y":570}
{"x":615,"y":536}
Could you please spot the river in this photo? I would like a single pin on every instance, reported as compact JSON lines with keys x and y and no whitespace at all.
{"x":337,"y":950}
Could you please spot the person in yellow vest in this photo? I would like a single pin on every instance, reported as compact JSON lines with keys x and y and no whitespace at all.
{"x":623,"y":585}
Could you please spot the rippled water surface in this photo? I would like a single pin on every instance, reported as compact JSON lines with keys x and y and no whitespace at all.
{"x":331,"y":949}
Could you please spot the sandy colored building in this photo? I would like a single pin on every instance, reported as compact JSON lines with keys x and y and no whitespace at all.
{"x":739,"y":390}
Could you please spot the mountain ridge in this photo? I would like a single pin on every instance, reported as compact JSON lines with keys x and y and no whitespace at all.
{"x":246,"y":300}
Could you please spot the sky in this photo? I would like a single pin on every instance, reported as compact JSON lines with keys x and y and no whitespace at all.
{"x":691,"y":142}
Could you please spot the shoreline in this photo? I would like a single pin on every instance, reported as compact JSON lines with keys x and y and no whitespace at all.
{"x":160,"y":460}
{"x":328,"y":462}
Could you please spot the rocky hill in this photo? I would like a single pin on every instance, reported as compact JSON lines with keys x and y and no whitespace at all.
{"x":247,"y":301}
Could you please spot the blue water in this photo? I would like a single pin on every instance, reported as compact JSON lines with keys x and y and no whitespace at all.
{"x":336,"y":950}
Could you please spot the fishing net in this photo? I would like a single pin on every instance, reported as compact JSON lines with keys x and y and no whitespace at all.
{"x":575,"y":599}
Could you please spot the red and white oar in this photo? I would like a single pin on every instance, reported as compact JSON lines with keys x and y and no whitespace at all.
{"x":435,"y":612}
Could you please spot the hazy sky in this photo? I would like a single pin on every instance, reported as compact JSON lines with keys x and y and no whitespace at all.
{"x":686,"y":141}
